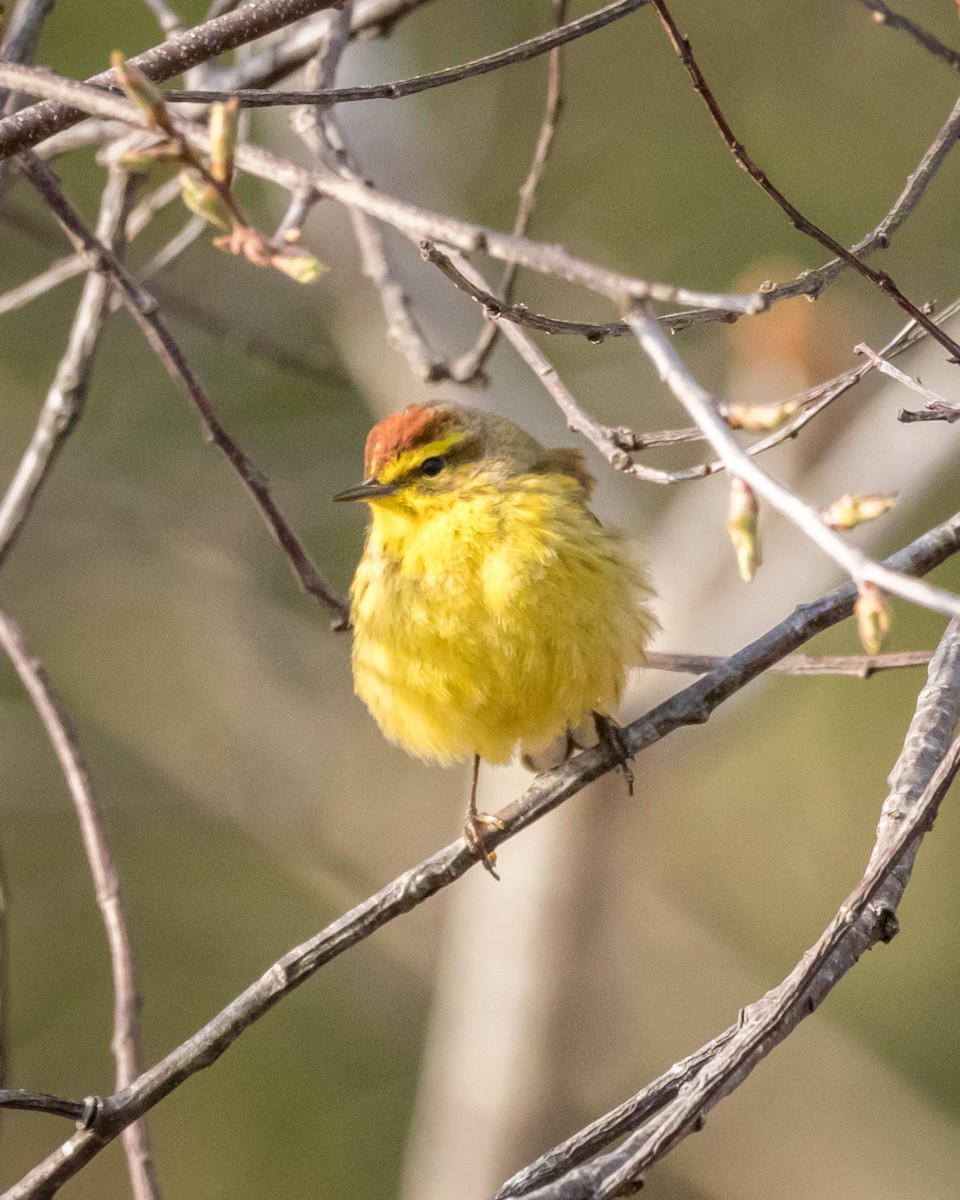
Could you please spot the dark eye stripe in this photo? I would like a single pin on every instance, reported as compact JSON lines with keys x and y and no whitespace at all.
{"x":431,"y":466}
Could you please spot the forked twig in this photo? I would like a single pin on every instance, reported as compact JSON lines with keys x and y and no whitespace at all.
{"x":936,"y":408}
{"x":702,"y":407}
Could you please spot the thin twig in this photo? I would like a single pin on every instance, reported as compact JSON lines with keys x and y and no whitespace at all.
{"x":469,"y":367}
{"x":811,"y":403}
{"x":702,"y":407}
{"x":880,"y":279}
{"x":319,"y":129}
{"x":521,"y":52}
{"x":19,"y":44}
{"x":143,"y":308}
{"x":59,"y":272}
{"x":920,"y":780}
{"x":65,"y":400}
{"x":42,"y":1102}
{"x":936,"y":408}
{"x":605,"y":439}
{"x":287,"y":54}
{"x":693,"y":705}
{"x":126,"y":1015}
{"x":884,"y":15}
{"x":860,"y":666}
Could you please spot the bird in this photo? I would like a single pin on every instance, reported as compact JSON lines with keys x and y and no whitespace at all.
{"x":491,"y":610}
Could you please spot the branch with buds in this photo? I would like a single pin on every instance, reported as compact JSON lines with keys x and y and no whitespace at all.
{"x":207,"y":187}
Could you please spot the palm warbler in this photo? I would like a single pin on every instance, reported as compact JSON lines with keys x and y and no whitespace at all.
{"x":491,"y":609}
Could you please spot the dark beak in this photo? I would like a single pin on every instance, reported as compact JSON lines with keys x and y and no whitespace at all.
{"x":370,"y":489}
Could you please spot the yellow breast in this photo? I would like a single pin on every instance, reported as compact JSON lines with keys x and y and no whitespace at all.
{"x":494,"y":617}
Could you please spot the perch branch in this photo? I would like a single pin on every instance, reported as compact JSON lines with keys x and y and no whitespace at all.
{"x":693,"y":705}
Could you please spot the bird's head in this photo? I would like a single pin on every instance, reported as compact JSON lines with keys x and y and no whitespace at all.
{"x":432,"y":452}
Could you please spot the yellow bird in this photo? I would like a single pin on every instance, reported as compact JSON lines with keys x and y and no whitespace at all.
{"x":491,"y":609}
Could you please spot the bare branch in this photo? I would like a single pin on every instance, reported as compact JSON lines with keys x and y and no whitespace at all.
{"x":19,"y":45}
{"x":126,"y":1017}
{"x":521,"y":52}
{"x":921,"y":778}
{"x":469,"y":366}
{"x":318,"y":127}
{"x":59,"y":272}
{"x":879,"y":278}
{"x":145,"y":312}
{"x":936,"y":409}
{"x":201,"y":43}
{"x":702,"y":407}
{"x":416,"y":223}
{"x":56,"y":1106}
{"x":68,"y":392}
{"x":884,"y":15}
{"x":283,"y":56}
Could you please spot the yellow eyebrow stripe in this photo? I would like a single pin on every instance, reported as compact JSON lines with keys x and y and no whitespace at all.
{"x":409,"y":460}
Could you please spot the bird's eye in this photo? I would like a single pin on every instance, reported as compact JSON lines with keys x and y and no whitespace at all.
{"x":431,"y":466}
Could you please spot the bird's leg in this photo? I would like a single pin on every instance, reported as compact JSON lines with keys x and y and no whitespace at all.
{"x":474,"y":822}
{"x":611,"y":739}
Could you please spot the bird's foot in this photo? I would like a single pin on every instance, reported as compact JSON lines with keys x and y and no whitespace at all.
{"x":610,"y":737}
{"x":473,"y":827}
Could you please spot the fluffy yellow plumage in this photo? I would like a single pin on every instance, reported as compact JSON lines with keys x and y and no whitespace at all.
{"x":491,"y":609}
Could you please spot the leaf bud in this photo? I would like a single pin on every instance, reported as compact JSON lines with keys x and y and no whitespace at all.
{"x":873,"y":617}
{"x":742,"y":526}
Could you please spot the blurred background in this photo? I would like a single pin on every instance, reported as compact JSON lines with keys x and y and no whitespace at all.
{"x":248,"y":797}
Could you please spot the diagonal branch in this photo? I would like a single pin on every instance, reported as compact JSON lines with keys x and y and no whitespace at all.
{"x":691,"y":706}
{"x":936,"y":408}
{"x":702,"y":407}
{"x":320,"y":131}
{"x":67,"y":395}
{"x":883,"y":14}
{"x":126,"y":1016}
{"x":197,"y":45}
{"x":919,"y":781}
{"x":880,"y":279}
{"x":143,"y":308}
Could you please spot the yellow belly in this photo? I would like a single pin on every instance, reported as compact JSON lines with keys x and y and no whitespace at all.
{"x":494,"y":620}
